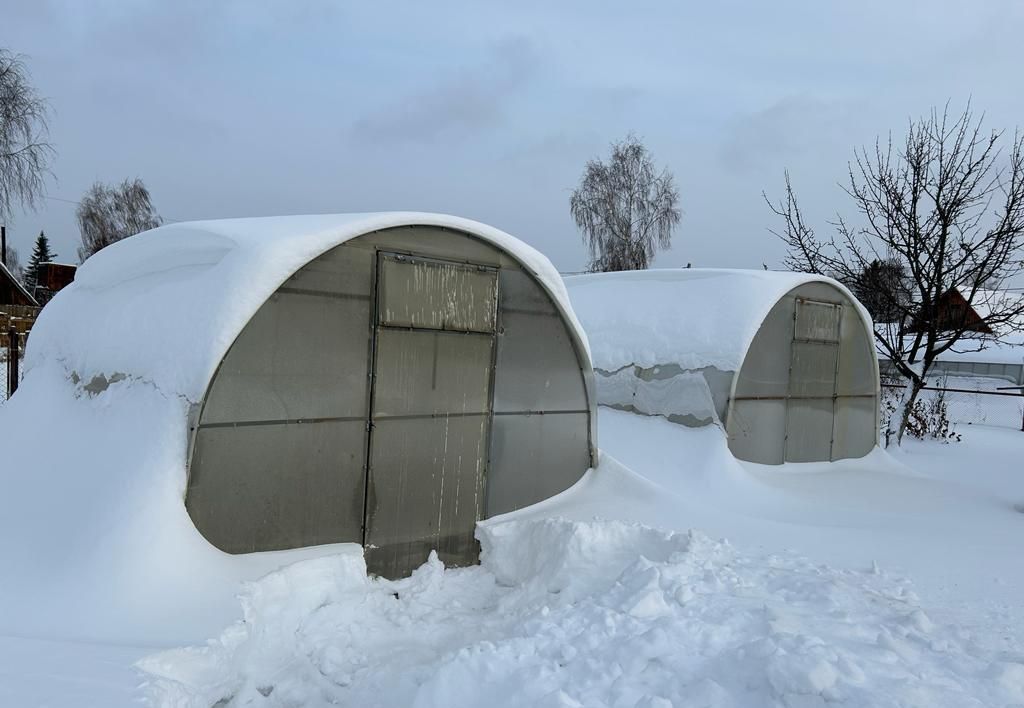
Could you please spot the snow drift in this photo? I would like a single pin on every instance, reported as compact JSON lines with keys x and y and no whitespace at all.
{"x":596,"y":613}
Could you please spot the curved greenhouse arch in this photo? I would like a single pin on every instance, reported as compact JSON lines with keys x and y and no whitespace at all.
{"x":392,"y":391}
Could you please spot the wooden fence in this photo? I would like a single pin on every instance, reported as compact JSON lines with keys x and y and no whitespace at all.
{"x":21,"y":316}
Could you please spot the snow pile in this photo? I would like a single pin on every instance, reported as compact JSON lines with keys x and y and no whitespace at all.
{"x":693,"y":317}
{"x":595,"y":613}
{"x":96,"y":541}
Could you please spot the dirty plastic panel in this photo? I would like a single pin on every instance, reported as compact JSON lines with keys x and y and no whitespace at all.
{"x":277,"y":367}
{"x":426,"y":492}
{"x":813,"y":370}
{"x":541,"y":456}
{"x":270,"y":487}
{"x":422,"y":373}
{"x":538,"y":367}
{"x":436,"y":295}
{"x":817,"y":321}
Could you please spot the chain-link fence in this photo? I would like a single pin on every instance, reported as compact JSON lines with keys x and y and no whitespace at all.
{"x":949,"y":403}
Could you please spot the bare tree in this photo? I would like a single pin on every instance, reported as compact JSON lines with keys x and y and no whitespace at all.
{"x":14,"y":264}
{"x":947,"y":205}
{"x":24,"y":152}
{"x":884,"y":288}
{"x":108,"y":214}
{"x":625,"y":208}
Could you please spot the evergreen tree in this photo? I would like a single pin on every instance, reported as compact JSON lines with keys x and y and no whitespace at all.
{"x":40,"y":254}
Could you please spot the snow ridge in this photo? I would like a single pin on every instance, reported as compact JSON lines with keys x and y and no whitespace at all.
{"x":596,"y":613}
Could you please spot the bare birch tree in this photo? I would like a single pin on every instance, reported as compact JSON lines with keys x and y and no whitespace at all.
{"x":108,"y":214}
{"x":24,"y":151}
{"x":946,"y":208}
{"x":625,"y":208}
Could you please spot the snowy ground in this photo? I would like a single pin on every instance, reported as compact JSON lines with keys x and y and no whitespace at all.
{"x":882,"y":582}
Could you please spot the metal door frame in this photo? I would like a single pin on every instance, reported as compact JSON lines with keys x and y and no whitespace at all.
{"x":375,"y":326}
{"x":835,"y":374}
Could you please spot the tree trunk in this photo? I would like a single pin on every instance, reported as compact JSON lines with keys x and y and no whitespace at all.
{"x":897,"y":424}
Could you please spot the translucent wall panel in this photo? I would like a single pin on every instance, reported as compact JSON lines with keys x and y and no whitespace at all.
{"x":268,"y":487}
{"x":300,"y":356}
{"x":535,"y":457}
{"x":757,"y":430}
{"x":537,"y":366}
{"x":854,"y":433}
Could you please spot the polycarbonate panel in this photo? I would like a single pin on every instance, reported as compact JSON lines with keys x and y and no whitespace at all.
{"x":817,"y":321}
{"x":757,"y":430}
{"x":436,"y":294}
{"x":269,"y":487}
{"x":521,"y":292}
{"x":421,"y":372}
{"x":300,"y":356}
{"x":534,"y":457}
{"x":854,"y":430}
{"x":765,"y":367}
{"x":342,"y":270}
{"x":425,"y":492}
{"x":537,"y":366}
{"x":813,"y":369}
{"x":858,"y":372}
{"x":809,"y":430}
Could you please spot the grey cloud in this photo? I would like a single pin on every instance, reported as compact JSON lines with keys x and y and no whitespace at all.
{"x":474,"y":99}
{"x":787,"y":129}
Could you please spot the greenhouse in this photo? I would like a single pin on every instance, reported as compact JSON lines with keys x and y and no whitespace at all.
{"x":783,"y":362}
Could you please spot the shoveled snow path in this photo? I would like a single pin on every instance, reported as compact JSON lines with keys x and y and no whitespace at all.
{"x":600,"y":613}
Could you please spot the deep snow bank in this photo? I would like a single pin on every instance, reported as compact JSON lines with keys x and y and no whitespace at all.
{"x":588,"y":614}
{"x":96,"y":541}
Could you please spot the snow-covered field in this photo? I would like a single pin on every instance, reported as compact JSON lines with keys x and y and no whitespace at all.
{"x":889,"y":581}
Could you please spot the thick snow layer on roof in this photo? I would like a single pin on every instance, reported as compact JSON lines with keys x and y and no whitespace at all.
{"x":694,"y":317}
{"x":164,"y":306}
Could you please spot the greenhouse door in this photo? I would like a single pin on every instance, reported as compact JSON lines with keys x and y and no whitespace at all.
{"x":433,"y":356}
{"x":814,"y":361}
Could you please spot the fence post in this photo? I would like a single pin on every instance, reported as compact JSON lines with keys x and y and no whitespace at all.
{"x":12,"y":361}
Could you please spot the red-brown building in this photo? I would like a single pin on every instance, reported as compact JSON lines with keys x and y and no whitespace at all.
{"x":12,"y":292}
{"x":52,"y":278}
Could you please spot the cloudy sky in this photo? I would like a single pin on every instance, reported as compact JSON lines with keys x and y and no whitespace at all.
{"x":490,"y":110}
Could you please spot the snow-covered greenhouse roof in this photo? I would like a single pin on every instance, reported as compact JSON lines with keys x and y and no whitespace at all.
{"x":164,"y":306}
{"x":693,"y":317}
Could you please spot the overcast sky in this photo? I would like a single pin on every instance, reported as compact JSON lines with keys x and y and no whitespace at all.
{"x":243,"y":109}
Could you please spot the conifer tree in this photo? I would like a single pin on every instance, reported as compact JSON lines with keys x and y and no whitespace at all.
{"x":40,"y":254}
